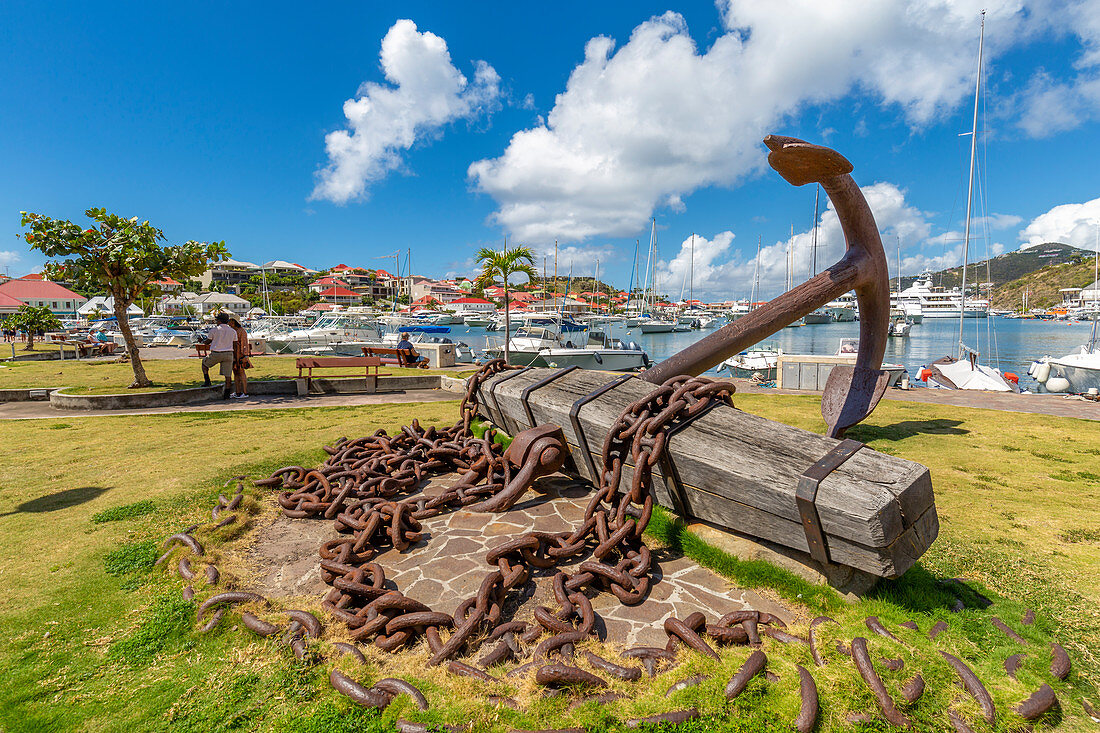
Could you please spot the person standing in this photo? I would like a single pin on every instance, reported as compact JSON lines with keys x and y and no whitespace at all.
{"x":223,"y":341}
{"x":240,"y":360}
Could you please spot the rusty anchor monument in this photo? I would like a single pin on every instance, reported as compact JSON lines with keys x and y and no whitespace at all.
{"x":665,"y":436}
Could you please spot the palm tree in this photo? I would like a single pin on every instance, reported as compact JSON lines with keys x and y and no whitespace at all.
{"x":518,"y":260}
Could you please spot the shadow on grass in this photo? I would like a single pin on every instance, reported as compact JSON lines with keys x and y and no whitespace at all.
{"x":920,"y":590}
{"x":59,"y":500}
{"x":907,"y":429}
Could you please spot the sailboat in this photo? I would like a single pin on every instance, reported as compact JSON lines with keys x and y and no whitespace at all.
{"x":650,"y":323}
{"x":821,"y":315}
{"x":1077,"y":372}
{"x":964,"y":371}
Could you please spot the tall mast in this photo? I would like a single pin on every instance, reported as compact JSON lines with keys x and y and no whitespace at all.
{"x":755,"y":273}
{"x":691,"y":285}
{"x":970,"y":185}
{"x":813,"y":251}
{"x":649,"y":261}
{"x":633,"y":270}
{"x":597,"y":285}
{"x":555,"y":268}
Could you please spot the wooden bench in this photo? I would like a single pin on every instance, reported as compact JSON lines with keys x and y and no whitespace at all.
{"x":400,"y":357}
{"x":202,"y":349}
{"x":308,"y":364}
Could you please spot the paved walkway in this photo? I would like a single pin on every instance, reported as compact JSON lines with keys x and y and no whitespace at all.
{"x":449,"y":565}
{"x":1037,"y":404}
{"x":42,"y":410}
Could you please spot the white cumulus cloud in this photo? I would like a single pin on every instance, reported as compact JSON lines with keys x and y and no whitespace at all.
{"x":424,"y":93}
{"x":8,"y":257}
{"x":644,"y":124}
{"x":722,"y":272}
{"x":1075,"y":224}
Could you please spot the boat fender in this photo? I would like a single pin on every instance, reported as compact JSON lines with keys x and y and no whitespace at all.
{"x":1057,"y":384}
{"x":1041,"y":372}
{"x":1011,"y":377}
{"x":597,"y":357}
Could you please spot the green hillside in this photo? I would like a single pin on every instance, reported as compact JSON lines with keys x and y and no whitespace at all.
{"x":1043,"y":285}
{"x":1012,"y":266}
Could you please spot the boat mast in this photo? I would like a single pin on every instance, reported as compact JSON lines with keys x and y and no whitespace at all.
{"x":813,"y":251}
{"x":755,"y":274}
{"x":970,"y":186}
{"x":649,"y":260}
{"x":597,"y":285}
{"x":691,"y":285}
{"x":633,"y":270}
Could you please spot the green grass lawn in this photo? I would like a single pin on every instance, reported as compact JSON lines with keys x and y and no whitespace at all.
{"x":86,"y":377}
{"x":96,"y":639}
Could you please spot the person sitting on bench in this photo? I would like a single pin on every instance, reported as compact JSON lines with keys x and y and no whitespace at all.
{"x":404,"y":343}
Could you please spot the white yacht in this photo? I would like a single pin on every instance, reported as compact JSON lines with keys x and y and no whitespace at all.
{"x":657,"y":325}
{"x":762,"y":359}
{"x":935,"y":302}
{"x":817,"y":317}
{"x":844,"y":309}
{"x":541,"y":347}
{"x":1077,"y":372}
{"x":333,"y":329}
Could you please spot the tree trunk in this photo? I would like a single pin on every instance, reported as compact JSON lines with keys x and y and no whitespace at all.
{"x":30,"y":340}
{"x":140,"y":380}
{"x":507,"y":337}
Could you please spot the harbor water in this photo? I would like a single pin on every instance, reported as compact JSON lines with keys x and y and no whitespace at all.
{"x":1009,"y":344}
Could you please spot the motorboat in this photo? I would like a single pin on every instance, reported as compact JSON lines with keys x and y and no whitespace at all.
{"x":844,"y":309}
{"x":657,"y":325}
{"x":600,"y":352}
{"x":542,"y":347}
{"x":762,"y":359}
{"x":1077,"y":372}
{"x":817,"y":317}
{"x":478,"y":320}
{"x":348,"y":331}
{"x":935,"y":302}
{"x":900,"y":328}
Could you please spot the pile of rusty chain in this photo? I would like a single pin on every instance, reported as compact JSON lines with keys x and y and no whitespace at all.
{"x":358,"y":488}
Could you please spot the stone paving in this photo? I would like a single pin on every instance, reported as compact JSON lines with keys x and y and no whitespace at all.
{"x":449,"y":565}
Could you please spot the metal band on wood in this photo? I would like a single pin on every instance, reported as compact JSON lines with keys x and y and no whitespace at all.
{"x":806,"y":497}
{"x":525,"y":395}
{"x":669,"y":474}
{"x":502,"y":422}
{"x":575,"y":421}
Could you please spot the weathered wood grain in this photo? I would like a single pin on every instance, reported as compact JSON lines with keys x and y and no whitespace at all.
{"x":741,"y":471}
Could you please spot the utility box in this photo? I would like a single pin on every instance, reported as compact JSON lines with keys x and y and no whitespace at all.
{"x":808,"y":371}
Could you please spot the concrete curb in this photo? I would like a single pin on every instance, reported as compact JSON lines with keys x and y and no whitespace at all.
{"x":26,"y":395}
{"x":61,"y":400}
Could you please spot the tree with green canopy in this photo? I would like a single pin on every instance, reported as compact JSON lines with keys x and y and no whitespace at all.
{"x":502,"y":265}
{"x":32,"y":320}
{"x":119,"y":255}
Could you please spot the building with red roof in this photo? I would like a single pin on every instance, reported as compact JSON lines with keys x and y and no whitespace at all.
{"x":324,"y":283}
{"x":341,"y":296}
{"x":9,"y":305}
{"x":34,"y":276}
{"x":44,"y":294}
{"x":168,"y":285}
{"x":472,"y":305}
{"x":340,"y":268}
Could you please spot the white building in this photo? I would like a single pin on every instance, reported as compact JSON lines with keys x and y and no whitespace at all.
{"x":105,"y":307}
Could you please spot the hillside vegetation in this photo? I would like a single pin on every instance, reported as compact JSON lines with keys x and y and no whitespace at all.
{"x":1011,"y":266}
{"x":1043,"y":285}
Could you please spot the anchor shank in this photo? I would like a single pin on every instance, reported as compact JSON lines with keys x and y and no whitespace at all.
{"x":733,"y":338}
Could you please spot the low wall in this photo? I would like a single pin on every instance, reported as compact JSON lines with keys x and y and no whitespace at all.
{"x":318,"y":386}
{"x":25,"y":395}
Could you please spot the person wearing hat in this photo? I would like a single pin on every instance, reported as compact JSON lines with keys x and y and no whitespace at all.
{"x":223,"y":340}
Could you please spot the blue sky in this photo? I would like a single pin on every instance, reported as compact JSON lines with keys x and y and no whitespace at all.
{"x":575,"y":121}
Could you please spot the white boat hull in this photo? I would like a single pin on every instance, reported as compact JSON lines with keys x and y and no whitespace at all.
{"x":610,"y":360}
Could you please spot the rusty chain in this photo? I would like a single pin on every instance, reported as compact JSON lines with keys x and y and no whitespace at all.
{"x":367,"y":487}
